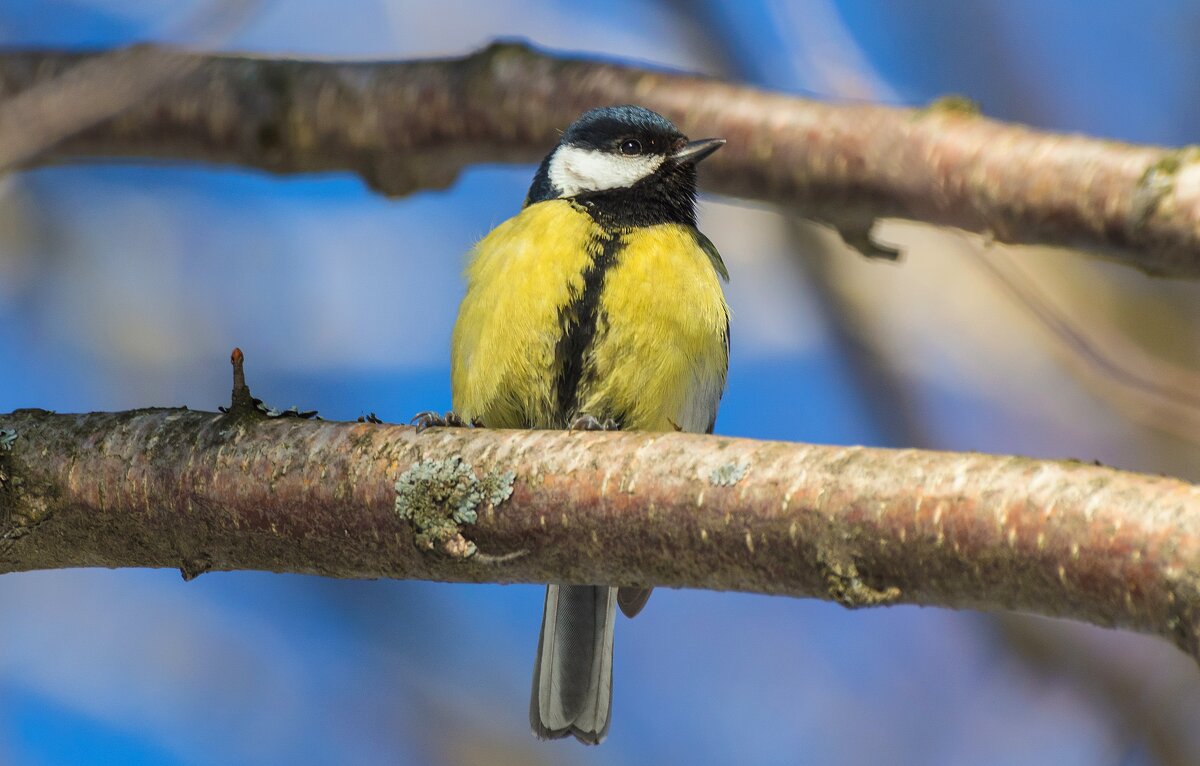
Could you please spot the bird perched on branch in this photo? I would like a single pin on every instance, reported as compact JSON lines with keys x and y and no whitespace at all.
{"x":598,"y":306}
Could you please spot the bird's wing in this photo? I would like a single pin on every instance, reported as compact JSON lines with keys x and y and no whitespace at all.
{"x":714,"y":255}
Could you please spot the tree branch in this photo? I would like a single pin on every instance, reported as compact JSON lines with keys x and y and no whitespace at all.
{"x":199,"y":491}
{"x":52,"y":108}
{"x":412,"y":125}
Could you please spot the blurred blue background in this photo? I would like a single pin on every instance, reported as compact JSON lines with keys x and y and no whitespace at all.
{"x":126,"y":285}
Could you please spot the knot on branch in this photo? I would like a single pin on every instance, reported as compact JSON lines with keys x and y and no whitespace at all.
{"x":845,"y":585}
{"x":8,"y":437}
{"x":24,"y":503}
{"x":439,"y":496}
{"x":860,"y":236}
{"x":243,"y":404}
{"x":191,"y":567}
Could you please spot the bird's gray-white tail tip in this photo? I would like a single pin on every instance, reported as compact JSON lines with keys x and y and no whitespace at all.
{"x":572,"y":675}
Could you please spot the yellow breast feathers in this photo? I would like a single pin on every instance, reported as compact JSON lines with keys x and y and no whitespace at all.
{"x":563,"y":317}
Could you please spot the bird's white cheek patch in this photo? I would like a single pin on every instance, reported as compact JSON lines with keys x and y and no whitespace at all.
{"x":574,"y":170}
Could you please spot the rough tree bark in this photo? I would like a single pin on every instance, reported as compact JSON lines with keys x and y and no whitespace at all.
{"x":200,"y":491}
{"x":412,"y":125}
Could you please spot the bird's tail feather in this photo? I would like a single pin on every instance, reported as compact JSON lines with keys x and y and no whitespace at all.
{"x":572,"y":676}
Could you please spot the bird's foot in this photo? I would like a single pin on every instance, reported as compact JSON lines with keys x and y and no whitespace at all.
{"x":591,"y":423}
{"x":431,"y":419}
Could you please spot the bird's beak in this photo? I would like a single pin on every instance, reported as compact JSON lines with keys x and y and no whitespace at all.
{"x":694,"y":151}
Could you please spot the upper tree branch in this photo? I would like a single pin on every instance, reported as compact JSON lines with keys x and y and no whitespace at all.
{"x":411,"y":125}
{"x":195,"y":490}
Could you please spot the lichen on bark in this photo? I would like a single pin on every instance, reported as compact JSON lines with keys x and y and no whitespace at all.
{"x":439,"y":497}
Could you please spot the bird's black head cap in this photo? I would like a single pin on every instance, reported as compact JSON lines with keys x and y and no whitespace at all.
{"x":628,"y":166}
{"x":605,"y":128}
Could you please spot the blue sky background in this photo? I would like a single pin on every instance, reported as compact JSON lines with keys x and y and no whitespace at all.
{"x":127,"y":285}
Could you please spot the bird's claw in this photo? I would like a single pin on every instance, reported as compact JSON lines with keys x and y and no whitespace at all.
{"x":431,"y":419}
{"x":591,"y":423}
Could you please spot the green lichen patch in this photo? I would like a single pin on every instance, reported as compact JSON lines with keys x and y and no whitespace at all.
{"x":728,"y":474}
{"x":953,"y":103}
{"x":439,"y":496}
{"x":1157,"y":182}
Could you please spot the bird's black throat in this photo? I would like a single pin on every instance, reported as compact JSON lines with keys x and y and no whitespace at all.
{"x":666,"y":196}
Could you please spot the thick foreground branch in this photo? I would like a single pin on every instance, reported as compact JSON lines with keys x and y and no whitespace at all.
{"x":412,"y":125}
{"x":199,"y":491}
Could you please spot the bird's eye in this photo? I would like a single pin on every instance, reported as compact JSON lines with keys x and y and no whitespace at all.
{"x":631,"y":147}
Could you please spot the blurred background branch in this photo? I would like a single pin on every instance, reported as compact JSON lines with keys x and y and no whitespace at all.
{"x":56,"y":106}
{"x":411,"y":125}
{"x":1149,"y":691}
{"x":1150,"y":390}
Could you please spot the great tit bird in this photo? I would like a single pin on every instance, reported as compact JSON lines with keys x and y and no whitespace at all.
{"x":597,"y":306}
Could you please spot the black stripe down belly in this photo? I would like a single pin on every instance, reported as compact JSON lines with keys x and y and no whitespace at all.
{"x":581,"y":323}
